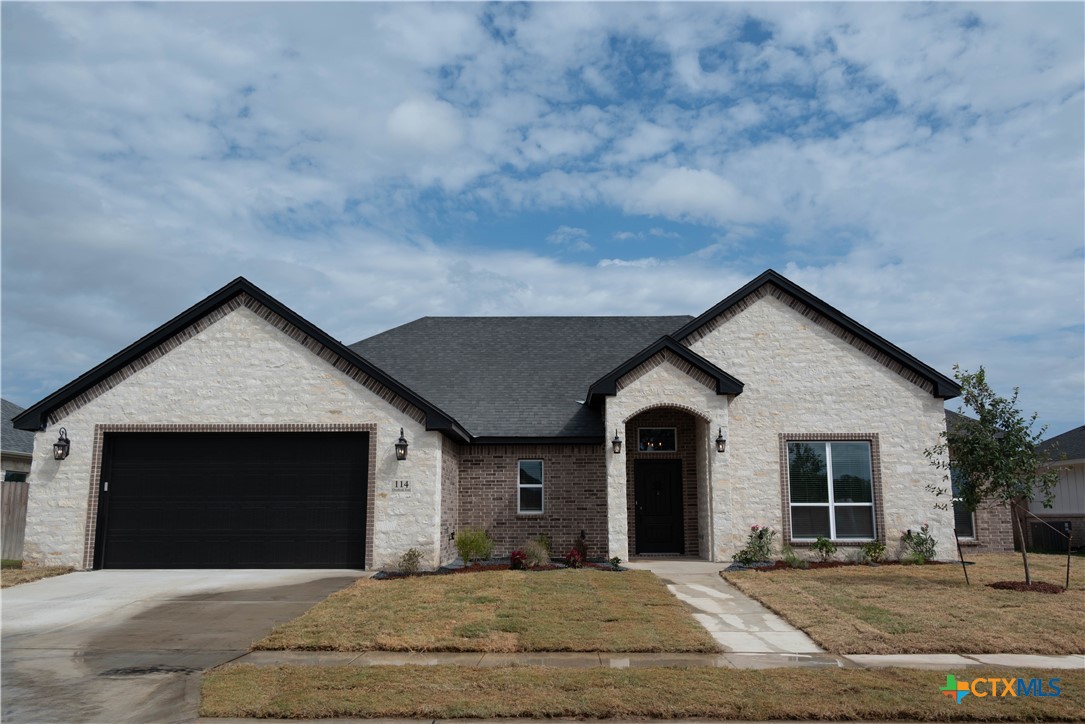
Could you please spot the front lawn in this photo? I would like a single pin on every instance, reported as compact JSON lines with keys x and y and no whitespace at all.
{"x":426,"y":692}
{"x":563,"y":610}
{"x":14,"y":576}
{"x":928,"y":609}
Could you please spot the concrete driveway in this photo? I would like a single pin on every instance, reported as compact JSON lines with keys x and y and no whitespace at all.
{"x":130,"y":646}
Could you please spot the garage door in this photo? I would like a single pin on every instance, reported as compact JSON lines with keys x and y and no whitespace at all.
{"x":233,"y":500}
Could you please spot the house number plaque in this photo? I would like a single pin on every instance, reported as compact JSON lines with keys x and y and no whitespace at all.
{"x":401,"y":486}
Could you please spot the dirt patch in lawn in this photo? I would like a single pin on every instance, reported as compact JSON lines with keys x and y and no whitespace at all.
{"x":427,"y":692}
{"x":928,"y":609}
{"x":15,"y":576}
{"x":563,"y":610}
{"x":1035,"y":586}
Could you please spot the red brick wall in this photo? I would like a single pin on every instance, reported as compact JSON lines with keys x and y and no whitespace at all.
{"x":686,"y":439}
{"x":450,"y":497}
{"x":574,"y":495}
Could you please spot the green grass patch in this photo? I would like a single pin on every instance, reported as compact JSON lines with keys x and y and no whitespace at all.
{"x":562,"y":610}
{"x":441,"y":692}
{"x":929,"y":609}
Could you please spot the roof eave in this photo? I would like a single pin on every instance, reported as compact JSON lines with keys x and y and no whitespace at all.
{"x":942,"y":386}
{"x":35,"y":417}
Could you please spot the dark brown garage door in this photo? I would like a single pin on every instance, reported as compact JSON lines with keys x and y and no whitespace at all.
{"x":233,"y":500}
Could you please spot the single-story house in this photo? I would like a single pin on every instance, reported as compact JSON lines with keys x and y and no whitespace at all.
{"x":1067,"y":453}
{"x":16,"y":451}
{"x":238,"y":434}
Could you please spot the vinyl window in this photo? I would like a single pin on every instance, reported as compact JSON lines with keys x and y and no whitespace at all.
{"x":832,"y":490}
{"x":529,"y":494}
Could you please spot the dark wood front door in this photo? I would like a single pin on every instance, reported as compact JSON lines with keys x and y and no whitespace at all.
{"x":658,"y":498}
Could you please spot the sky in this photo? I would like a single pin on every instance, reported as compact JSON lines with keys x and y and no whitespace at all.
{"x":918,"y":166}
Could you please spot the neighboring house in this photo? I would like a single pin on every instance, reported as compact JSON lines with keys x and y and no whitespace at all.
{"x":16,"y":451}
{"x":1067,"y":452}
{"x":240,"y":435}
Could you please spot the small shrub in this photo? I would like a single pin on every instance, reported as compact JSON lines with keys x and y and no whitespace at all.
{"x":473,"y":545}
{"x":544,"y":541}
{"x":919,"y":546}
{"x":581,"y":548}
{"x":791,"y":558}
{"x":518,"y":560}
{"x":536,"y":553}
{"x":573,"y":559}
{"x":874,"y":551}
{"x":410,"y":561}
{"x":825,"y":548}
{"x":615,"y":562}
{"x":758,"y":546}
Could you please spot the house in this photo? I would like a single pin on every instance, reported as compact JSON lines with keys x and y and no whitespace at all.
{"x":16,"y":450}
{"x":1067,"y":453}
{"x":987,"y":529}
{"x":238,"y":434}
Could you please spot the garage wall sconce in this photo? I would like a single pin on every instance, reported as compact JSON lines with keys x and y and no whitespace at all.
{"x":62,"y":446}
{"x":721,"y":443}
{"x":401,"y":446}
{"x":616,"y":443}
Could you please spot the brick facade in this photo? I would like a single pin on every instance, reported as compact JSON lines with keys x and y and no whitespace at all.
{"x":450,"y":498}
{"x":574,"y":495}
{"x":994,"y":531}
{"x":686,"y":442}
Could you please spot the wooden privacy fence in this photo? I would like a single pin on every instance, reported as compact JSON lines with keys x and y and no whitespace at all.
{"x":13,"y":518}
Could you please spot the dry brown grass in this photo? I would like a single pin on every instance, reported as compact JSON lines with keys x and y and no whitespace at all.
{"x":15,"y":576}
{"x":928,"y":609}
{"x":564,"y":610}
{"x":449,"y":691}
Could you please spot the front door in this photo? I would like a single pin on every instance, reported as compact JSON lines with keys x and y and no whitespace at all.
{"x":658,"y":506}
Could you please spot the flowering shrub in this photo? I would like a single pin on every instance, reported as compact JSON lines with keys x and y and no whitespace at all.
{"x":918,"y":545}
{"x":874,"y":551}
{"x":518,"y":560}
{"x":573,"y":559}
{"x":758,"y":546}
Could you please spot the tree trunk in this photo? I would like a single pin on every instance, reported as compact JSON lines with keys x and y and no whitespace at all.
{"x":1024,"y":543}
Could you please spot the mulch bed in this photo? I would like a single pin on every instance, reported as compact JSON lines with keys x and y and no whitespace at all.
{"x":1037,"y":586}
{"x":496,"y":566}
{"x":783,"y":566}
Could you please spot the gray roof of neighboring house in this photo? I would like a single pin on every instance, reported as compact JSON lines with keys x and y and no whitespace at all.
{"x":14,"y":441}
{"x":512,"y":377}
{"x":1070,"y":443}
{"x":953,"y":418}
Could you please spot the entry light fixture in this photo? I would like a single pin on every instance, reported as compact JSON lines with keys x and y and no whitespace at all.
{"x":401,"y":446}
{"x":721,"y":443}
{"x":62,"y":445}
{"x":616,"y":443}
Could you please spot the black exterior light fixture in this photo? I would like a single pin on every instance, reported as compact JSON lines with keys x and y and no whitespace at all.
{"x":616,"y":443}
{"x":721,"y":443}
{"x":401,"y":446}
{"x":62,"y":446}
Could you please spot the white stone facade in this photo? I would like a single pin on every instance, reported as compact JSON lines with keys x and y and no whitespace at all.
{"x":241,"y":370}
{"x":801,"y":378}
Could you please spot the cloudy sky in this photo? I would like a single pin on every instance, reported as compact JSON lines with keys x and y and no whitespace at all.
{"x":919,"y":166}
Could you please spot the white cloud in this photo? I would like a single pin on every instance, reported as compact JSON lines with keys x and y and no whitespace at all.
{"x":689,"y":194}
{"x":570,"y":237}
{"x":426,"y":124}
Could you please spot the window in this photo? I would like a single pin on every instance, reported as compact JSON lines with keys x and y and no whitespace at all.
{"x":530,"y":492}
{"x":10,"y":476}
{"x":964,"y":520}
{"x":657,"y":439}
{"x":832,"y":490}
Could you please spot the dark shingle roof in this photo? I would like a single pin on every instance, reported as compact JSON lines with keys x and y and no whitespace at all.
{"x":15,"y":441}
{"x":513,"y":376}
{"x":955,"y":418}
{"x":1070,"y":443}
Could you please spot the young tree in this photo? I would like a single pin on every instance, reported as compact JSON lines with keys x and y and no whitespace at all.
{"x":995,"y":455}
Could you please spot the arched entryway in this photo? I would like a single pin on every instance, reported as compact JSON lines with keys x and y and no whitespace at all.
{"x":663,"y":467}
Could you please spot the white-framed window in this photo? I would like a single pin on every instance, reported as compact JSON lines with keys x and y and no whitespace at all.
{"x":964,"y":520}
{"x":657,"y":439}
{"x":529,"y":487}
{"x":832,"y":490}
